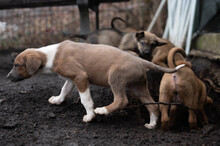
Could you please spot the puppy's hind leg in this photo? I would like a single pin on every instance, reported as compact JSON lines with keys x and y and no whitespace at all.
{"x":66,"y":89}
{"x":165,"y":97}
{"x":153,"y":111}
{"x":120,"y":101}
{"x":141,"y":92}
{"x":192,"y":120}
{"x":173,"y":110}
{"x":204,"y":117}
{"x":165,"y":120}
{"x":117,"y":83}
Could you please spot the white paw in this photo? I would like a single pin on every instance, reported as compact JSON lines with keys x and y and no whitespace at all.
{"x":101,"y":111}
{"x":88,"y":118}
{"x":55,"y":100}
{"x":150,"y":126}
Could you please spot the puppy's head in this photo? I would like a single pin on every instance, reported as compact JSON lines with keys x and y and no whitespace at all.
{"x":147,"y":42}
{"x":26,"y":64}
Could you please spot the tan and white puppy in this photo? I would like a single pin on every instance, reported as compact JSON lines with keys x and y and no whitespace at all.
{"x":81,"y":64}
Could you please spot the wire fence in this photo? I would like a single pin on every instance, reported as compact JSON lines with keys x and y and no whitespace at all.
{"x":35,"y":27}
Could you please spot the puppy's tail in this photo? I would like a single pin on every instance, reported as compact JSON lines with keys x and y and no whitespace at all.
{"x":150,"y":65}
{"x":113,"y":26}
{"x":82,"y":36}
{"x":171,"y":57}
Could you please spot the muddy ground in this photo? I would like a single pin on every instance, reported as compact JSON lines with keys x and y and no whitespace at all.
{"x":26,"y":117}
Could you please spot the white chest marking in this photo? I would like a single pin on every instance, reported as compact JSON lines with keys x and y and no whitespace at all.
{"x":50,"y":52}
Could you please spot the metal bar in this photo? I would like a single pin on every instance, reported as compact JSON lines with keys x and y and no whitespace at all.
{"x":156,"y":15}
{"x":10,"y":4}
{"x":84,"y":19}
{"x":189,"y":36}
{"x":164,"y":103}
{"x":95,"y":7}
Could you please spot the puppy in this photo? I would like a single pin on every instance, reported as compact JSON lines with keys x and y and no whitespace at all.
{"x":153,"y":48}
{"x":113,"y":36}
{"x":81,"y":64}
{"x":147,"y":45}
{"x":128,"y":42}
{"x":182,"y":87}
{"x":108,"y":36}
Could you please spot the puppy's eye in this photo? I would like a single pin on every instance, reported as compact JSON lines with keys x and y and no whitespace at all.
{"x":16,"y":65}
{"x":152,"y":45}
{"x":142,"y":43}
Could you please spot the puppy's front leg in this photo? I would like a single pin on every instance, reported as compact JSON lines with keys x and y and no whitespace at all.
{"x":87,"y":102}
{"x":66,"y":89}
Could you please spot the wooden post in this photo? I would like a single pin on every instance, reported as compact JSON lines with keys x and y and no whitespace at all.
{"x":96,"y":9}
{"x":84,"y":16}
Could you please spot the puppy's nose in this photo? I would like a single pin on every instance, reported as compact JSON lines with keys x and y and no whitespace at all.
{"x":145,"y":53}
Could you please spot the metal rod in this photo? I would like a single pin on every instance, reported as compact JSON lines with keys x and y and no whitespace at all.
{"x":156,"y":15}
{"x":189,"y":36}
{"x":164,"y":103}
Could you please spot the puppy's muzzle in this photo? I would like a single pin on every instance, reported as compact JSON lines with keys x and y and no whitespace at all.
{"x":146,"y":52}
{"x":14,"y":76}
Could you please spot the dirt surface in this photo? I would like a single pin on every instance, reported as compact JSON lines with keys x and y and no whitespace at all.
{"x":26,"y":118}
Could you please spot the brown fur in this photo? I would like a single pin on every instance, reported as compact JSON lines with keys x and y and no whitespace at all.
{"x":101,"y":65}
{"x":123,"y":38}
{"x":27,"y":64}
{"x":108,"y":36}
{"x":182,"y":87}
{"x":153,"y":48}
{"x":148,"y":46}
{"x":128,"y":42}
{"x":106,"y":59}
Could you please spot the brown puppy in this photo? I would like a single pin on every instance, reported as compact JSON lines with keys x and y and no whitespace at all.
{"x":121,"y":38}
{"x":82,"y":64}
{"x":153,"y":48}
{"x":128,"y":42}
{"x":182,"y":87}
{"x":108,"y":36}
{"x":147,"y":45}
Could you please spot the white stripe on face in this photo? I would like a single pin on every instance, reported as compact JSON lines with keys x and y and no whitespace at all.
{"x":87,"y":102}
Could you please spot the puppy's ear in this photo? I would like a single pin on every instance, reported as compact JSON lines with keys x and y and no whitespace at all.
{"x":139,"y":35}
{"x":160,"y":42}
{"x":33,"y":63}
